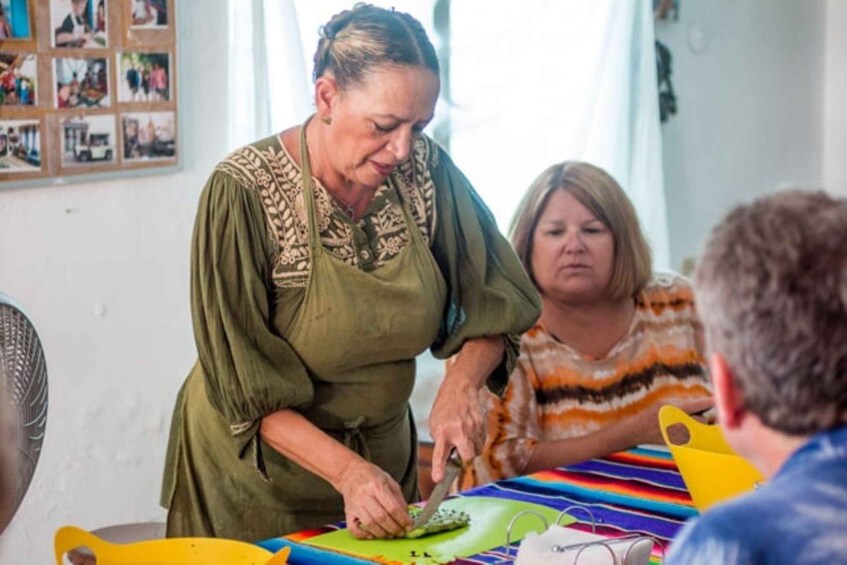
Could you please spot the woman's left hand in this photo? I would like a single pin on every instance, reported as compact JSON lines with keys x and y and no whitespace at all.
{"x":456,"y":421}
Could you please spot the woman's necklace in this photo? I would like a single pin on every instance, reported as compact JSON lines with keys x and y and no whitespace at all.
{"x":349,"y":208}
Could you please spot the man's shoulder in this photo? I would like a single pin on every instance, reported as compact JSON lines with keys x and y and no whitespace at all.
{"x":775,"y":524}
{"x":725,"y":534}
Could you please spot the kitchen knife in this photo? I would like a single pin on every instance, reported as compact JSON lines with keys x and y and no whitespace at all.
{"x":451,"y":471}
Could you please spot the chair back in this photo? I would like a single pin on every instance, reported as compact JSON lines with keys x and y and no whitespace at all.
{"x":710,"y":468}
{"x":171,"y":551}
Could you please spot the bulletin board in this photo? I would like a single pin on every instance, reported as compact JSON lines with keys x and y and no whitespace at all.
{"x":87,"y":87}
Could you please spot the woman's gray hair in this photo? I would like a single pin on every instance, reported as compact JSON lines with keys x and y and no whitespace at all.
{"x":772,"y":293}
{"x":355,"y":42}
{"x":595,"y":189}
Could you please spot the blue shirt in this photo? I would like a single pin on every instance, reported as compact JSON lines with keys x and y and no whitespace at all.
{"x":798,"y":517}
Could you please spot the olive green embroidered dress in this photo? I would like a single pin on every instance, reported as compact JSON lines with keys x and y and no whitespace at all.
{"x":295,"y":306}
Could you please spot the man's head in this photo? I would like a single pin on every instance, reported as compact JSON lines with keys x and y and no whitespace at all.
{"x":772,"y":294}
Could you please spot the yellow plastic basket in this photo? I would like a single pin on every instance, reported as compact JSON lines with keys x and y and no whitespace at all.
{"x":712,"y":471}
{"x":173,"y":551}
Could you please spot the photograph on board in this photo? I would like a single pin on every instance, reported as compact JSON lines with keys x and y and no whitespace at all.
{"x":143,"y":77}
{"x":79,"y":23}
{"x":81,"y":83}
{"x":149,"y":135}
{"x":20,"y":146}
{"x":18,"y":75}
{"x":14,"y":20}
{"x":149,"y":14}
{"x":88,"y":140}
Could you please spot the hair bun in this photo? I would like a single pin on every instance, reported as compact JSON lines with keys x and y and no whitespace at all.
{"x":365,"y":37}
{"x":326,"y":33}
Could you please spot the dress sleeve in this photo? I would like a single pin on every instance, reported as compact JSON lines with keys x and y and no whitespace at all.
{"x":489,"y":292}
{"x":513,"y":427}
{"x":249,"y":371}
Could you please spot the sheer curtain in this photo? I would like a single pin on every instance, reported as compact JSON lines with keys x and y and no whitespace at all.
{"x":269,"y":86}
{"x":558,"y":80}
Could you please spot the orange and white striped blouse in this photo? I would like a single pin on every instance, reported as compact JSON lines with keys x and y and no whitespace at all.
{"x":556,"y":392}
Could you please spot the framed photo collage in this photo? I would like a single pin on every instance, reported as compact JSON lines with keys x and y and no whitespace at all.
{"x":86,"y":87}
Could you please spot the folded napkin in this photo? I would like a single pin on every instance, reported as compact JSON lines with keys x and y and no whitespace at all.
{"x":564,"y":545}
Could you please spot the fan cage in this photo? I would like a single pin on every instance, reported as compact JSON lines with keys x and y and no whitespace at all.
{"x":23,"y":371}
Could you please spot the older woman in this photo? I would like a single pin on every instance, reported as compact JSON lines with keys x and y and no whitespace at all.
{"x":613,"y":343}
{"x":324,"y":260}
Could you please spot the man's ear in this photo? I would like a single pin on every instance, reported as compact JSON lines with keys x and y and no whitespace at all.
{"x":729,"y":400}
{"x":326,"y":93}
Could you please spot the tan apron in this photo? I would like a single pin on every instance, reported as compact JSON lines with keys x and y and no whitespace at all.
{"x":358,"y":334}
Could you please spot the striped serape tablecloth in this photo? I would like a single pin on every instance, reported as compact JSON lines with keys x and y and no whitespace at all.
{"x":635,"y":491}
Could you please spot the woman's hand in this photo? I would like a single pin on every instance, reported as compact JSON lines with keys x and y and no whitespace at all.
{"x":374,"y":506}
{"x":373,"y":502}
{"x":644,"y":427}
{"x":456,"y":421}
{"x":641,"y":428}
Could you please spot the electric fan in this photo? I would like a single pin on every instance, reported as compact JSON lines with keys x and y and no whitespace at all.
{"x":23,"y":373}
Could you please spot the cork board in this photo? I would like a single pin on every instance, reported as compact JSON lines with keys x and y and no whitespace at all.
{"x":87,"y":87}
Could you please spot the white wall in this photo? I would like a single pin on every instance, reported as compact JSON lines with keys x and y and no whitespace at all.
{"x":835,"y":98}
{"x":750,"y":108}
{"x":102,"y":270}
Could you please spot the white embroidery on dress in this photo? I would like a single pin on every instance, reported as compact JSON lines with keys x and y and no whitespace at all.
{"x":268,"y":169}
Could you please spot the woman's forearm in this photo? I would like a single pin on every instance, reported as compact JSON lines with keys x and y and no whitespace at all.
{"x":478,"y":358}
{"x":374,"y":505}
{"x":291,"y":434}
{"x":456,"y":419}
{"x":560,"y":452}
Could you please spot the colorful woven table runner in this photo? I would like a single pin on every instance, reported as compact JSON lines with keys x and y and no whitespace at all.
{"x":636,"y":491}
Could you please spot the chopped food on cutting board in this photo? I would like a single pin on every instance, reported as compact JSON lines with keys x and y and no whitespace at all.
{"x":443,"y":520}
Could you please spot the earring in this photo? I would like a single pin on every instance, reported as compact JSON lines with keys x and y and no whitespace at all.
{"x":327,"y":120}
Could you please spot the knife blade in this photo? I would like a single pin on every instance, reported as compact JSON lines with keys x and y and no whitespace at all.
{"x":451,"y":471}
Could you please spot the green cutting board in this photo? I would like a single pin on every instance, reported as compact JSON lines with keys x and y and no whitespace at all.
{"x":490,"y":519}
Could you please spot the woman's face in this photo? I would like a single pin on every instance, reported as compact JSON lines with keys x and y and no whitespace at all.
{"x":572,"y":252}
{"x":374,"y":124}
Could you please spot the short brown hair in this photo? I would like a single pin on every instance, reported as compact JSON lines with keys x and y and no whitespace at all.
{"x":772,"y":293}
{"x":595,"y":189}
{"x":355,"y":42}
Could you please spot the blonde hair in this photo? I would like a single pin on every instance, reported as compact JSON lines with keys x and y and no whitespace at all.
{"x":595,"y":189}
{"x":355,"y":42}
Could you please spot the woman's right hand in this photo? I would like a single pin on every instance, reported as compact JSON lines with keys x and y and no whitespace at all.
{"x":374,"y":506}
{"x":644,"y":427}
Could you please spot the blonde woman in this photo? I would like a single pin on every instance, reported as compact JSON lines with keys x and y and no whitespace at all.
{"x":614,"y":341}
